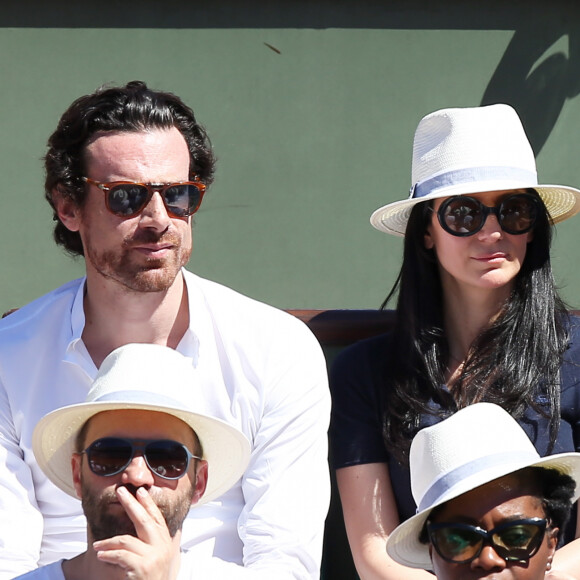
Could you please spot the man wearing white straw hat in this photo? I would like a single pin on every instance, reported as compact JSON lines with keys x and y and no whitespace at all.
{"x":126,"y":171}
{"x":139,"y":452}
{"x":488,"y":505}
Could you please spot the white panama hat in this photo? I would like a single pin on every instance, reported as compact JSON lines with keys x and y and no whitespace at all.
{"x":151,"y":378}
{"x":474,"y":446}
{"x":472,"y":150}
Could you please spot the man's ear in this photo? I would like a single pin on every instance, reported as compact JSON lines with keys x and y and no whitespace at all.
{"x":67,"y":210}
{"x":76,"y":464}
{"x":200,"y":481}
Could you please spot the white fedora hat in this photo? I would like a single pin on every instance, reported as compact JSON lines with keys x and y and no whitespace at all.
{"x":468,"y":151}
{"x":151,"y":378}
{"x":474,"y":446}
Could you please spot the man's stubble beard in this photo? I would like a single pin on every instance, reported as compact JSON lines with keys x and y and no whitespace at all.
{"x":103,"y":524}
{"x":150,"y":275}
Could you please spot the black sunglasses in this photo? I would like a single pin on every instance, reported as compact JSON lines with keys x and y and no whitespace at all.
{"x":463,"y":216}
{"x":112,"y":455}
{"x":125,"y":198}
{"x":515,"y":541}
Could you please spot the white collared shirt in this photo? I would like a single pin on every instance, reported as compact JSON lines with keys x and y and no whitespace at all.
{"x":262,"y":371}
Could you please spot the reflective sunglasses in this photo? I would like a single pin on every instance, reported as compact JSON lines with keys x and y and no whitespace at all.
{"x":126,"y":198}
{"x":112,"y":455}
{"x":463,"y":216}
{"x":515,"y":541}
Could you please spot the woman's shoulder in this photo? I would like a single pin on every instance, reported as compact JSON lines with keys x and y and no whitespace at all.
{"x":367,"y":352}
{"x":573,"y":350}
{"x":574,"y":328}
{"x":570,"y":369}
{"x":360,"y":370}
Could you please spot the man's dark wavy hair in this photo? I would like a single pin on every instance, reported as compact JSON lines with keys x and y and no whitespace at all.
{"x":133,"y":107}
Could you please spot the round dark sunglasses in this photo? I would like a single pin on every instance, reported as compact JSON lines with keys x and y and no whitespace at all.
{"x":112,"y":455}
{"x":462,"y":215}
{"x":126,"y":199}
{"x":515,"y":541}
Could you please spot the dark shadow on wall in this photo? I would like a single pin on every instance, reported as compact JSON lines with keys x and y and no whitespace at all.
{"x":317,"y":14}
{"x":538,"y":86}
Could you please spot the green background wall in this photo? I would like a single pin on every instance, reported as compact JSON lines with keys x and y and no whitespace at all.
{"x":311,"y":137}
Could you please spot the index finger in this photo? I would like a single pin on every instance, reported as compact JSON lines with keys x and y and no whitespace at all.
{"x":143,"y":512}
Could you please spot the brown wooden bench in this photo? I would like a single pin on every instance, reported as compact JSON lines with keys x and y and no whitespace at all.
{"x":343,"y":327}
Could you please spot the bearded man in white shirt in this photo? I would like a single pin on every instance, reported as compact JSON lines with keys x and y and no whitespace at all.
{"x":126,"y":169}
{"x":139,"y":453}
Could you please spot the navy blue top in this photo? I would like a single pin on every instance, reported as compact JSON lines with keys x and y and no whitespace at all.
{"x":356,"y":378}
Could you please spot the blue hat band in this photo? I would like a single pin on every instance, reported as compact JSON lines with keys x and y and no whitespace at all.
{"x":478,"y":465}
{"x":471,"y":175}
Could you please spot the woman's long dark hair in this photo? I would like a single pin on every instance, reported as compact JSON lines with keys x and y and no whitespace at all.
{"x":514,"y":362}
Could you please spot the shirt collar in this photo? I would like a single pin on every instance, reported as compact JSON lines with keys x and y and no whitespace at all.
{"x":189,"y":345}
{"x":76,"y":352}
{"x":77,"y":319}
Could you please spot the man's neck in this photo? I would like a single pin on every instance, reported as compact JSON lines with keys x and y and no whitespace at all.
{"x":86,"y":566}
{"x":115,"y":316}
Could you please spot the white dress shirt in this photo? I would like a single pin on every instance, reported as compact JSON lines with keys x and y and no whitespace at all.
{"x":262,"y":371}
{"x":189,"y":569}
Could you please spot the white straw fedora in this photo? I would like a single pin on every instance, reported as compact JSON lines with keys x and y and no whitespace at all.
{"x":471,"y":150}
{"x":152,"y":378}
{"x":474,"y":446}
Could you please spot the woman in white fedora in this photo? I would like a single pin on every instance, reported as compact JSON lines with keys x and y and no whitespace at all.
{"x":478,"y":319}
{"x":489,"y":506}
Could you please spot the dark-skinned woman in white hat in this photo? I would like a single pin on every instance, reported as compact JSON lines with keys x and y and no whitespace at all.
{"x":489,"y":506}
{"x":478,"y":319}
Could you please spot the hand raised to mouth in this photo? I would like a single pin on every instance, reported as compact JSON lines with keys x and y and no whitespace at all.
{"x":153,"y":554}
